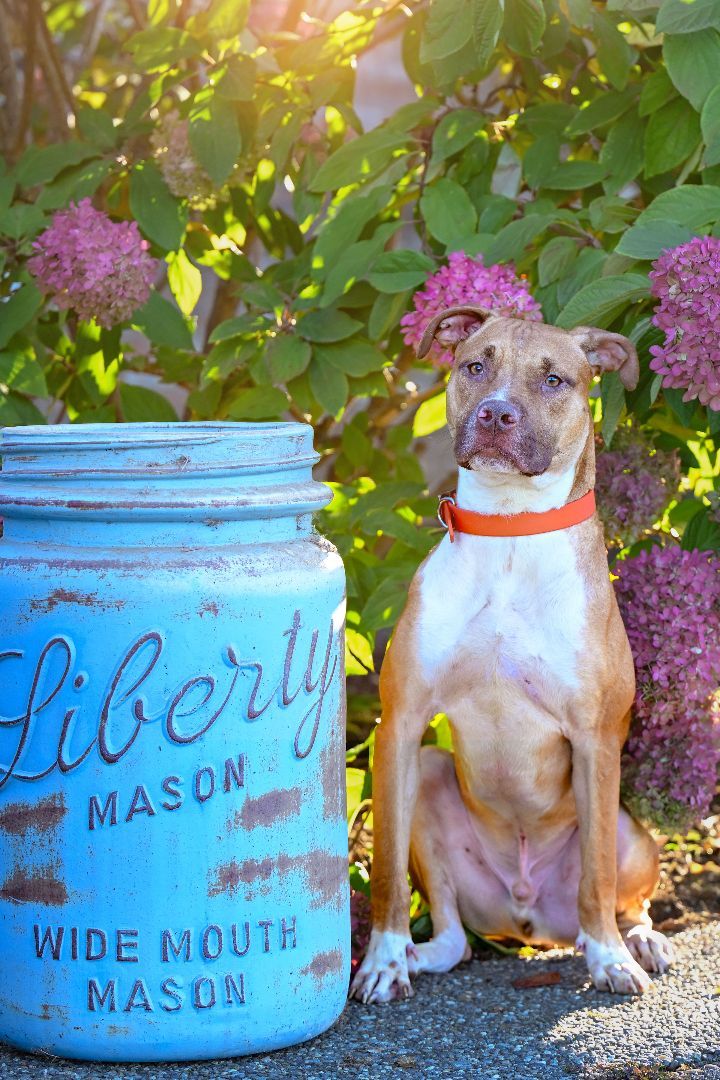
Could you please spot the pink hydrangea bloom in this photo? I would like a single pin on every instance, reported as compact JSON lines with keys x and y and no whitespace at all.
{"x":360,"y":924}
{"x":633,"y":484}
{"x":686,"y":279}
{"x":670,"y":602}
{"x":466,"y":280}
{"x":92,"y":264}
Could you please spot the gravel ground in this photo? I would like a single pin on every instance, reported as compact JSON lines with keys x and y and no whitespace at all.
{"x":475,"y":1023}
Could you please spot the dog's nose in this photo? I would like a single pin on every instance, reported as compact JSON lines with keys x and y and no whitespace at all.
{"x":498,"y":414}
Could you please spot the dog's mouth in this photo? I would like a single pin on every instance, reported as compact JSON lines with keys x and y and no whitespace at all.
{"x":499,"y":453}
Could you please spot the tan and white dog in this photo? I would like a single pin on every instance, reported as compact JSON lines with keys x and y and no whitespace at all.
{"x":520,"y":642}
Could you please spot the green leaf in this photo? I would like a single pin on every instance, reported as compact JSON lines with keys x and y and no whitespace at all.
{"x":141,"y":405}
{"x":487,"y":20}
{"x":602,"y":110}
{"x":215,"y":135}
{"x":353,"y":264}
{"x":328,"y":384}
{"x":185,"y":281}
{"x":612,"y":394}
{"x":710,"y":119}
{"x":235,"y":327}
{"x":448,"y":212}
{"x":672,"y":133}
{"x":238,"y":82}
{"x":556,"y":258}
{"x":17,"y":409}
{"x":430,"y":416}
{"x":622,"y":153}
{"x":454,"y":132}
{"x":648,"y":240}
{"x":258,"y":403}
{"x":161,"y":47}
{"x":613,"y":52}
{"x":80,"y":182}
{"x":511,"y":241}
{"x":397,"y":271}
{"x":694,"y":205}
{"x":40,"y":164}
{"x":599,"y":302}
{"x":686,"y":16}
{"x":337,"y":234}
{"x":702,"y":533}
{"x":163,"y":323}
{"x":693,"y":62}
{"x":96,"y":125}
{"x":355,"y":357}
{"x":359,"y":159}
{"x":20,"y":370}
{"x":21,"y":221}
{"x":327,"y":325}
{"x":359,"y":657}
{"x":384,"y":606}
{"x":447,"y":29}
{"x":17,"y":311}
{"x":385,"y":314}
{"x":162,"y":218}
{"x":574,"y":175}
{"x":524,"y":25}
{"x":287,"y":356}
{"x":657,"y":90}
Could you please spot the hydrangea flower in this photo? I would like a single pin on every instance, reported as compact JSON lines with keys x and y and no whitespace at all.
{"x":98,"y":267}
{"x":686,"y":280}
{"x":360,"y":925}
{"x":466,"y":280}
{"x":181,"y":171}
{"x":633,"y":484}
{"x":670,"y":601}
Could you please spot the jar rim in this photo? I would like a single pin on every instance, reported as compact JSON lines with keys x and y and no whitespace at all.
{"x":37,"y":437}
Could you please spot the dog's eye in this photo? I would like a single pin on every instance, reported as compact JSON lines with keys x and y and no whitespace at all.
{"x":476,"y":368}
{"x":553,"y":380}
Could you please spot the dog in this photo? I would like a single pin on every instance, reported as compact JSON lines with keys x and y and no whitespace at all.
{"x":518,"y":638}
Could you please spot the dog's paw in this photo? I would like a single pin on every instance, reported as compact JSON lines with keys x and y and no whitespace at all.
{"x":651,"y":949}
{"x":612,"y":967}
{"x":383,"y":974}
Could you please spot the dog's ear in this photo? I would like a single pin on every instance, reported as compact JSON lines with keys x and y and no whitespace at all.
{"x":452,"y":326}
{"x":609,"y":352}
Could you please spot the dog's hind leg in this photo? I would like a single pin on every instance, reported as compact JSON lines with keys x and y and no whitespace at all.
{"x":442,"y":866}
{"x":637,"y":878}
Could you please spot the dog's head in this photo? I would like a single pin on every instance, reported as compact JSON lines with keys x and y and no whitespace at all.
{"x":517,"y":400}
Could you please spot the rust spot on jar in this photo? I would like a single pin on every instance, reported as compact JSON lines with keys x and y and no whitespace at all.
{"x":327,"y":878}
{"x":332,"y":781}
{"x":18,"y":818}
{"x":68,"y":596}
{"x":324,"y":964}
{"x":228,"y":877}
{"x":37,"y":888}
{"x":208,"y":607}
{"x":277,"y":805}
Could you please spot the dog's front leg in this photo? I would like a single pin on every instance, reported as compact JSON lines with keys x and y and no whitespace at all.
{"x":383,"y":974}
{"x":596,"y":785}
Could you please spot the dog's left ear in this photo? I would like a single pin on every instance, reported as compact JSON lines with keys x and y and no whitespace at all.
{"x":452,"y":326}
{"x":609,"y":352}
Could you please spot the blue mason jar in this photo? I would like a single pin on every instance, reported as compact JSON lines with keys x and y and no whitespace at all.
{"x":173,"y":851}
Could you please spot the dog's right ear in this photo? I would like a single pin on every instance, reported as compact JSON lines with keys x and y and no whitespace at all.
{"x":452,"y":326}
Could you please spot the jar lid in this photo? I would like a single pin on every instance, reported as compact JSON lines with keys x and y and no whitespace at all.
{"x":159,"y":449}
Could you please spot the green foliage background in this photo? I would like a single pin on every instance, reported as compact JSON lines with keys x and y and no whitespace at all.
{"x":576,"y":139}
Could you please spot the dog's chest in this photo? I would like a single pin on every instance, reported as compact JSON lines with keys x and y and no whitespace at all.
{"x":507,"y":614}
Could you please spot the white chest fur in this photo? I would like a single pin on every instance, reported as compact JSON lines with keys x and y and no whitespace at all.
{"x":514,"y":608}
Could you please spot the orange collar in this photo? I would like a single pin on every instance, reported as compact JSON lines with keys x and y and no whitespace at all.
{"x":526,"y":524}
